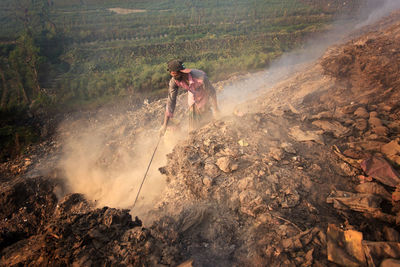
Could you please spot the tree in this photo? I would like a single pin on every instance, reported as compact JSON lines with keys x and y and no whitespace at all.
{"x":24,"y":61}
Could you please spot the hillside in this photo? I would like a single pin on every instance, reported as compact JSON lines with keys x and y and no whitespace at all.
{"x":304,"y":174}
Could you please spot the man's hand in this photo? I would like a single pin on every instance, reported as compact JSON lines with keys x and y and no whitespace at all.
{"x":163,"y":128}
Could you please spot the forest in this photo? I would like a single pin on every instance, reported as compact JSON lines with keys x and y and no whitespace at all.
{"x":60,"y":56}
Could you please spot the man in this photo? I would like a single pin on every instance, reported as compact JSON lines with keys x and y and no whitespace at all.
{"x":201,"y":94}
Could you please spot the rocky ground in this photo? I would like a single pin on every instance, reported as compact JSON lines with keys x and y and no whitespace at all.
{"x":306,"y":174}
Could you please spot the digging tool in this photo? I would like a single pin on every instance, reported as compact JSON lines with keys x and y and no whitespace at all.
{"x":148,"y":167}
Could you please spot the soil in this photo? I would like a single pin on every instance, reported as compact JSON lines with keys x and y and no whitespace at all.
{"x":277,"y":183}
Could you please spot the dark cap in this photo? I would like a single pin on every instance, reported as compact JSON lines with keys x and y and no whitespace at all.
{"x":175,"y":65}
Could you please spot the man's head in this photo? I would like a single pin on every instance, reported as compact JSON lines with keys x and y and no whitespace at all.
{"x":177,"y":69}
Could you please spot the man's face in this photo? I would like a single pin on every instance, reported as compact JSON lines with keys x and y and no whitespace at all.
{"x":177,"y":75}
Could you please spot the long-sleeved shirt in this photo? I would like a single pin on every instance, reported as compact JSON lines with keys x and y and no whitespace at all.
{"x":199,"y":91}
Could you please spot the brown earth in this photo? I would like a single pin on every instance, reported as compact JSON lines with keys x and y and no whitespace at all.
{"x":307,"y":174}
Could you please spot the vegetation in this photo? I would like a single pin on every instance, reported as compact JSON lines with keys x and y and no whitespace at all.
{"x":55,"y":54}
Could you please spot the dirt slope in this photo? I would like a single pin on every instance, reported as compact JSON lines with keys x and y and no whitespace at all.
{"x":307,"y":174}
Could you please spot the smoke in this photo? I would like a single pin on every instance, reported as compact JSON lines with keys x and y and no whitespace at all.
{"x":375,"y":10}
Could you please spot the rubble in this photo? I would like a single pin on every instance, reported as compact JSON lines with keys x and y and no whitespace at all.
{"x":25,"y":208}
{"x":308,"y":176}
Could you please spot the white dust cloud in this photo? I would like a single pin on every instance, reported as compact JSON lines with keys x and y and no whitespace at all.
{"x":106,"y":162}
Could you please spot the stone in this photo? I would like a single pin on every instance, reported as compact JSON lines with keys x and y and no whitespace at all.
{"x":391,"y":234}
{"x":385,"y":107}
{"x":395,"y":159}
{"x":373,"y":114}
{"x":361,"y":112}
{"x":352,"y":153}
{"x":381,"y":130}
{"x":396,"y":196}
{"x":382,"y":250}
{"x":390,"y":263}
{"x":234,"y":166}
{"x":299,"y":135}
{"x":347,"y":169}
{"x":361,"y":124}
{"x":272,"y":178}
{"x":349,"y":109}
{"x":323,"y":115}
{"x":211,"y":170}
{"x":288,"y":147}
{"x":359,"y":202}
{"x":207,"y":181}
{"x":345,"y":247}
{"x":373,"y":188}
{"x":247,"y":196}
{"x":394,"y":126}
{"x":264,"y":218}
{"x":334,"y":127}
{"x":348,"y":122}
{"x":276,"y":153}
{"x":224,"y":163}
{"x":188,"y":263}
{"x":315,"y":167}
{"x":371,"y":145}
{"x":372,"y":136}
{"x":251,"y":203}
{"x":290,"y":199}
{"x":246,"y":183}
{"x":391,"y":148}
{"x":374,"y":122}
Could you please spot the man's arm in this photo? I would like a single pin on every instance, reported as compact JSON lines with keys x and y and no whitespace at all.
{"x":171,"y":101}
